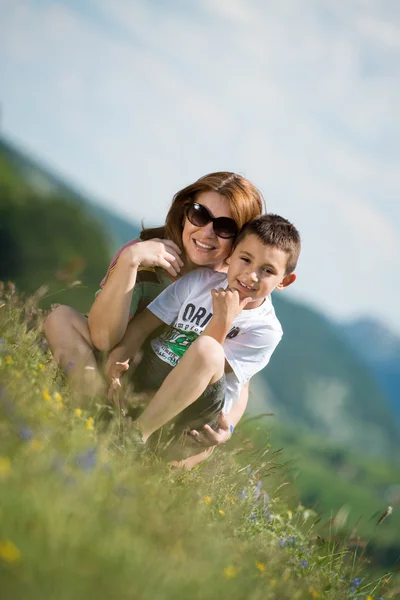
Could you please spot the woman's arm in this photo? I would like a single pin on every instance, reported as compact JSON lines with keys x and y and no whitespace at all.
{"x":109,"y":314}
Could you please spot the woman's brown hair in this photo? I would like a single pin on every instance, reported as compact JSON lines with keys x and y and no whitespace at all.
{"x":246,"y":203}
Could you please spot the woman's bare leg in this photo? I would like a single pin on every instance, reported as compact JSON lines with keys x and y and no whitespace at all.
{"x":201,"y":365}
{"x":67,"y":333}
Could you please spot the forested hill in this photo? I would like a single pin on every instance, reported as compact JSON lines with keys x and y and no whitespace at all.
{"x":48,"y":184}
{"x":51,"y":234}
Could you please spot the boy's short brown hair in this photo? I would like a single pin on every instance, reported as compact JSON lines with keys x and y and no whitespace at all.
{"x":274,"y":230}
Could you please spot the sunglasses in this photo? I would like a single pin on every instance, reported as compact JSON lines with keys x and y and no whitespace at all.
{"x":198,"y":215}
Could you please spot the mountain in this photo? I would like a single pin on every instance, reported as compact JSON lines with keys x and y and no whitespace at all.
{"x":43,"y":181}
{"x":316,"y":380}
{"x":379,"y":349}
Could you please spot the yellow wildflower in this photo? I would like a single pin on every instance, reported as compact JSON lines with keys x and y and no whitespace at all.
{"x":368,"y":598}
{"x":57,"y":397}
{"x":315,"y":594}
{"x":221,"y":512}
{"x":41,"y":367}
{"x":260,"y":566}
{"x":9,"y":360}
{"x":78,"y":412}
{"x":45,"y":395}
{"x":36,"y":445}
{"x":289,"y":514}
{"x":5,"y":467}
{"x":230,"y":500}
{"x":9,"y":552}
{"x":231,"y":571}
{"x":207,"y":499}
{"x":90,"y":424}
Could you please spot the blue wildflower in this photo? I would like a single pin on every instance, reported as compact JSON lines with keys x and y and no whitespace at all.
{"x":356,"y":582}
{"x":282,"y":542}
{"x":253,"y":517}
{"x":87,"y":460}
{"x":304,"y":564}
{"x":25,"y":433}
{"x":244,"y":494}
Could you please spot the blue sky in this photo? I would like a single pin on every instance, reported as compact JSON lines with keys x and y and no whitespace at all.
{"x":132,"y":100}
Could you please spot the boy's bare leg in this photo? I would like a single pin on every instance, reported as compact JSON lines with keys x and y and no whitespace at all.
{"x":201,"y":365}
{"x":67,"y":333}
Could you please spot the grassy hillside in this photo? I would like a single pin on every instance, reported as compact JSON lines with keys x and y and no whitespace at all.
{"x":82,"y":516}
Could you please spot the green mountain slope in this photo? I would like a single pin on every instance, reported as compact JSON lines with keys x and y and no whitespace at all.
{"x":47,"y":184}
{"x":315,"y":380}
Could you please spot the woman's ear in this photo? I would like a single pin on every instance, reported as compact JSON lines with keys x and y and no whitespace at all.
{"x":286,"y":281}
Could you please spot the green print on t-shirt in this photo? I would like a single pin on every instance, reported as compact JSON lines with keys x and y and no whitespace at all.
{"x":178,"y":341}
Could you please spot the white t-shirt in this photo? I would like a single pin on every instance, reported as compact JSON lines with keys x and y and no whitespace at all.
{"x":186,"y":305}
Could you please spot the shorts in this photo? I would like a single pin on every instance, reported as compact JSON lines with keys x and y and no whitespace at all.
{"x":151,"y":373}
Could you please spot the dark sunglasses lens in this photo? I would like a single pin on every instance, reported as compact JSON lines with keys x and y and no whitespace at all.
{"x":198,"y":215}
{"x":225,"y":227}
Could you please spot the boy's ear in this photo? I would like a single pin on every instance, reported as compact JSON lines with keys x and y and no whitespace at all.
{"x":286,"y":281}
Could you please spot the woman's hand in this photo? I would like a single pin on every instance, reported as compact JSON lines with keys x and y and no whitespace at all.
{"x":155,"y":253}
{"x":208,"y":437}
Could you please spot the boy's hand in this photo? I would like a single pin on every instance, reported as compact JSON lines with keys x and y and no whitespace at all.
{"x":213,"y":437}
{"x":227,"y":304}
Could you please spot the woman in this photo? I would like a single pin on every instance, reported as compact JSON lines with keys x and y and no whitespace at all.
{"x":142,"y":268}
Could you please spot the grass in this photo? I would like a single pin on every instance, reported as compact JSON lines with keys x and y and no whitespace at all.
{"x":82,"y":516}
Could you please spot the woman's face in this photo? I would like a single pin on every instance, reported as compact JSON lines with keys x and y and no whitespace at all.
{"x":202,"y":246}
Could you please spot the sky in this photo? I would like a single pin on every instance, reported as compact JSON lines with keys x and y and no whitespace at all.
{"x":133,"y":100}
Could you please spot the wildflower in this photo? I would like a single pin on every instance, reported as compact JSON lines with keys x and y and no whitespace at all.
{"x":314,"y":593}
{"x":304,"y":564}
{"x":231,"y":572}
{"x":57,"y":397}
{"x":78,"y":412}
{"x":244,"y":494}
{"x":90,"y":424}
{"x":289,"y":514}
{"x":221,"y":512}
{"x":282,"y":542}
{"x":207,"y":499}
{"x":9,"y":552}
{"x":5,"y":467}
{"x":87,"y":460}
{"x":230,"y":500}
{"x":25,"y":433}
{"x":356,"y":582}
{"x":368,"y":598}
{"x":40,"y":367}
{"x":9,"y":360}
{"x":260,"y":566}
{"x":253,"y":517}
{"x":257,"y":490}
{"x":36,"y":445}
{"x":45,"y":395}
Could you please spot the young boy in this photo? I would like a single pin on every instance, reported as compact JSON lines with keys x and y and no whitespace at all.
{"x":218,"y":338}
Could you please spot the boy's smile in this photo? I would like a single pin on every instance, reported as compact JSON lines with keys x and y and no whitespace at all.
{"x":255,"y":270}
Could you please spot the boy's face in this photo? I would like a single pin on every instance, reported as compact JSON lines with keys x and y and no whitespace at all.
{"x":255,"y":270}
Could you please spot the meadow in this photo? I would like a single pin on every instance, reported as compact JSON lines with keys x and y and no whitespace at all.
{"x":82,"y":515}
